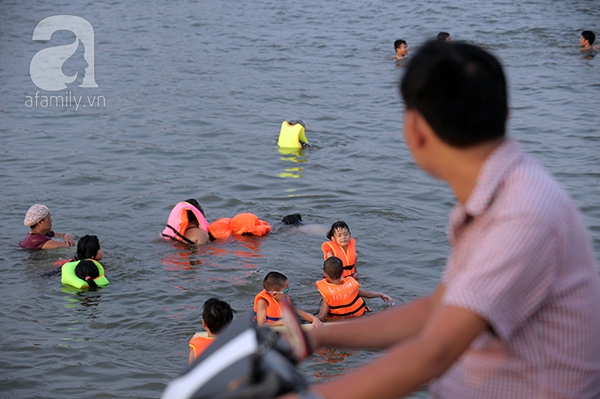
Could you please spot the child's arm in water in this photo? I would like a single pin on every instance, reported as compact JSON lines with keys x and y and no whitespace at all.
{"x":323,"y":311}
{"x":314,"y":320}
{"x":374,"y":294}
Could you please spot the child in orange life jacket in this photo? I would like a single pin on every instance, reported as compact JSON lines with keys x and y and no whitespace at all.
{"x":342,"y":246}
{"x":216,"y":315}
{"x":342,"y":296}
{"x":266,"y":302}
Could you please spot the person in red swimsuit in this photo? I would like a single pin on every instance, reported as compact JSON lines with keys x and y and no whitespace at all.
{"x":41,"y":235}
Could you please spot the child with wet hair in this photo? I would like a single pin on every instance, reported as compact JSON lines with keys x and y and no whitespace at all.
{"x":85,"y":270}
{"x":342,"y":246}
{"x":216,"y":315}
{"x":266,"y":303}
{"x":342,"y":296}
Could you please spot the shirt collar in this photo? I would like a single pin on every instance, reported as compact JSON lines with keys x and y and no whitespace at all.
{"x":493,"y":173}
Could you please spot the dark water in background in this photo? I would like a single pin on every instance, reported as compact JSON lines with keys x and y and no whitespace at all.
{"x":195,"y":93}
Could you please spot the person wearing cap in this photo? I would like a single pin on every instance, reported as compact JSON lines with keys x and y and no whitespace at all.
{"x":41,"y":235}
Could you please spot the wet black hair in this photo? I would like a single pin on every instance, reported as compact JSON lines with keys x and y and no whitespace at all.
{"x":460,"y":90}
{"x":274,"y":281}
{"x":589,"y":36}
{"x":216,"y":314}
{"x":191,"y":217}
{"x":294,"y":219}
{"x":87,"y":271}
{"x":87,"y":247}
{"x":398,"y":43}
{"x":337,"y":225}
{"x":333,"y":267}
{"x":442,"y":36}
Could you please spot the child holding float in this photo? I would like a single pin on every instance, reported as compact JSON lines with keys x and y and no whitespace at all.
{"x":85,"y":270}
{"x":342,"y":246}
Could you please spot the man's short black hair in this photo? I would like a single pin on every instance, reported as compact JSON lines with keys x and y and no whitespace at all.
{"x":460,"y":90}
{"x":589,"y":36}
{"x":398,"y":43}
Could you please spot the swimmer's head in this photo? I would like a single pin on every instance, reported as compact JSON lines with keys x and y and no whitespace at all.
{"x":216,"y":314}
{"x":589,"y":36}
{"x":191,"y":217}
{"x":36,"y":214}
{"x":339,"y":225}
{"x":196,"y":204}
{"x":293,"y":220}
{"x":401,"y":48}
{"x":333,"y":268}
{"x":88,"y":247}
{"x":275,"y":281}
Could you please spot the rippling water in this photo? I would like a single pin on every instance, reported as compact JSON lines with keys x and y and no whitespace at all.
{"x":195,"y":93}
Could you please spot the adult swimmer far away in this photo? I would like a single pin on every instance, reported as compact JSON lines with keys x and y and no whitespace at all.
{"x":515,"y":314}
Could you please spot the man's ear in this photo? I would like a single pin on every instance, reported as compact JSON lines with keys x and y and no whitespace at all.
{"x":415,"y":127}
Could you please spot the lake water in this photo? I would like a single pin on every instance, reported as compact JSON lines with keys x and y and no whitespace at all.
{"x":190,"y":98}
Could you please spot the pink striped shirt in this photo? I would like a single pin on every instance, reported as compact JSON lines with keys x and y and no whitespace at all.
{"x":522,"y":259}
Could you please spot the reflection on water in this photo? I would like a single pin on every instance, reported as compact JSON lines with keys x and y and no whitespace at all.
{"x":332,"y":358}
{"x":295,"y":155}
{"x":88,"y":298}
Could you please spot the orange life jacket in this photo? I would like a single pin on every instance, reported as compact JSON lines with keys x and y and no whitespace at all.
{"x":241,"y":224}
{"x":343,"y":299}
{"x":199,"y":344}
{"x":273,"y":310}
{"x":348,"y":257}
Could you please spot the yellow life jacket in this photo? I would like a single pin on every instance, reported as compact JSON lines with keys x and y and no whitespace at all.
{"x":292,"y":135}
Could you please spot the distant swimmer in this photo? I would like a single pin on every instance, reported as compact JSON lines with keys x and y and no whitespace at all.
{"x":444,"y":37}
{"x":401,"y":49}
{"x":41,"y":235}
{"x":586,"y":41}
{"x":293,"y":134}
{"x":295,"y":220}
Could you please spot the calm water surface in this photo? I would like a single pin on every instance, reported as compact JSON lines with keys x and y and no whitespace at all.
{"x":195,"y":92}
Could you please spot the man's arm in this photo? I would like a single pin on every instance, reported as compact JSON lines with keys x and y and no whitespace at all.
{"x":412,"y":362}
{"x":392,"y":326}
{"x":374,"y":294}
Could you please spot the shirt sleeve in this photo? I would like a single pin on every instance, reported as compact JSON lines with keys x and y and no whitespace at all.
{"x":505,"y":274}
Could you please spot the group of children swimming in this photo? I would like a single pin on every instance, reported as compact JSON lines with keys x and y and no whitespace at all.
{"x":341,"y":293}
